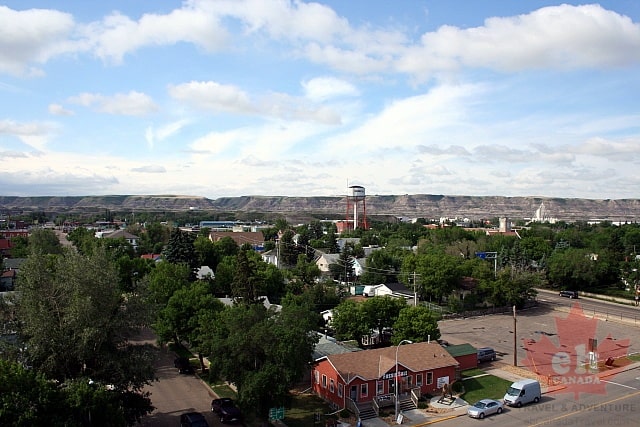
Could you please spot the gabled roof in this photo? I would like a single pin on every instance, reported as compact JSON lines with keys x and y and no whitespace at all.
{"x":240,"y":237}
{"x":398,"y":288}
{"x":373,"y":364}
{"x":13,"y":263}
{"x":327,"y":346}
{"x":120,"y":234}
{"x":461,"y":350}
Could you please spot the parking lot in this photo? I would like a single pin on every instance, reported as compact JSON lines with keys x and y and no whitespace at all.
{"x":497,"y":331}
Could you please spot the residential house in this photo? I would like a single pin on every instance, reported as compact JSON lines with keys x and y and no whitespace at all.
{"x":7,"y":280}
{"x":396,"y":290}
{"x":366,"y":379}
{"x":253,"y":238}
{"x":270,"y":257}
{"x":9,"y":274}
{"x":121,"y":234}
{"x":325,"y":260}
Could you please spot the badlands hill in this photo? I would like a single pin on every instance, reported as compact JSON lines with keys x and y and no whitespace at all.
{"x":416,"y":205}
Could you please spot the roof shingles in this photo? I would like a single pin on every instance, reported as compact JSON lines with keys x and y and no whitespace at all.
{"x":373,"y":364}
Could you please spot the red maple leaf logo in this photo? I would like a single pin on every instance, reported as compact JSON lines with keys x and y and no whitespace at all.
{"x":578,"y":357}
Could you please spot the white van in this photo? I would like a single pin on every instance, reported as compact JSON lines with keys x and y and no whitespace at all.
{"x":523,"y":392}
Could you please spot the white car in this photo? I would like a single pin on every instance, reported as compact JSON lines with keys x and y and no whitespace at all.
{"x":485,"y":407}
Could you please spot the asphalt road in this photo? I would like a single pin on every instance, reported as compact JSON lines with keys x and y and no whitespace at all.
{"x":174,"y":394}
{"x":616,"y":406}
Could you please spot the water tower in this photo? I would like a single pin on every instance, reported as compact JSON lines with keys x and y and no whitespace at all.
{"x":357,"y":207}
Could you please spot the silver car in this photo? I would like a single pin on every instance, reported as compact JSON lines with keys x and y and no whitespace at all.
{"x":485,"y":407}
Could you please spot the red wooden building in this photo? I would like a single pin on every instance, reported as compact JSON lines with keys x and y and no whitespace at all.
{"x":370,"y":375}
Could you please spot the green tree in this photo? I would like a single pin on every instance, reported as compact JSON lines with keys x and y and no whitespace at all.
{"x":75,"y":323}
{"x":438,"y":274}
{"x":183,"y":316}
{"x":180,"y":250}
{"x":262,"y":352}
{"x":83,"y":239}
{"x":164,"y":279}
{"x":45,"y":241}
{"x":27,"y":398}
{"x":415,"y":323}
{"x":381,"y":312}
{"x":349,"y":321}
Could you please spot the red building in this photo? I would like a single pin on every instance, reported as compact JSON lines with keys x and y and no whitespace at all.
{"x":369,"y":376}
{"x":465,"y":354}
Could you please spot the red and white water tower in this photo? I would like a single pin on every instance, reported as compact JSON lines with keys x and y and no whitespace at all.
{"x":356,"y":208}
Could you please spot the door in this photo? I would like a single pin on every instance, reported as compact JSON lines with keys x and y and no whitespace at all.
{"x":353,"y":393}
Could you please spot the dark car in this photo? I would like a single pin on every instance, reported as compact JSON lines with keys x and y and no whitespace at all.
{"x":183,"y":365}
{"x":226,"y":409}
{"x":486,"y":354}
{"x":569,"y":294}
{"x":193,"y":419}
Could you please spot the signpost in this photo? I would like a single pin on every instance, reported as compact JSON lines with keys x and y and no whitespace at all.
{"x":276,"y":413}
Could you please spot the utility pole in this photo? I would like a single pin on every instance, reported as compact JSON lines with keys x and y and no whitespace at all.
{"x":515,"y":338}
{"x":415,"y":294}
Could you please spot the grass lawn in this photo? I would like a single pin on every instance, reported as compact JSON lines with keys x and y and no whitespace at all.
{"x":303,"y":408}
{"x":484,"y":387}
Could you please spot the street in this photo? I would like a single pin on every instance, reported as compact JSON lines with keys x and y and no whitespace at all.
{"x":174,"y":394}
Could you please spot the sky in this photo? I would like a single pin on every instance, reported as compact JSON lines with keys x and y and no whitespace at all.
{"x":227,"y":98}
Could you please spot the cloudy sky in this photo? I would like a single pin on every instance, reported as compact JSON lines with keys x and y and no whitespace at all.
{"x":221,"y":98}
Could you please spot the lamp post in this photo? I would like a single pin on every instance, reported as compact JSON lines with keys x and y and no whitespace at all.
{"x":398,"y":348}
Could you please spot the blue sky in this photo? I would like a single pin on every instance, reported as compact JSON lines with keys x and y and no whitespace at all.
{"x":221,"y":98}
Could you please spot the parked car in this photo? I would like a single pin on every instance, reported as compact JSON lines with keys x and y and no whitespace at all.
{"x":486,"y":354}
{"x":193,"y":419}
{"x":569,"y":294}
{"x":484,"y":408}
{"x":226,"y":409}
{"x":183,"y":365}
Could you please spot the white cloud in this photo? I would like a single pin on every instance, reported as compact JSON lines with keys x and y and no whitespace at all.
{"x":117,"y":35}
{"x":33,"y":134}
{"x":149,"y":169}
{"x":324,"y":88}
{"x":216,"y":98}
{"x":59,"y":110}
{"x":33,"y":36}
{"x":556,"y":37}
{"x":213,"y":96}
{"x":128,"y":104}
{"x":163,"y":132}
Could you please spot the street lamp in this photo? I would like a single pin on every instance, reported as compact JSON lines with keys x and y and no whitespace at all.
{"x":398,"y":348}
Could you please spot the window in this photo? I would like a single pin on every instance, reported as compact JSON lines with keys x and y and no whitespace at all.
{"x":419,"y":380}
{"x":340,"y":389}
{"x":429,"y":377}
{"x":324,"y":381}
{"x":364,"y":389}
{"x":380,"y":387}
{"x":332,"y":386}
{"x":317,"y":375}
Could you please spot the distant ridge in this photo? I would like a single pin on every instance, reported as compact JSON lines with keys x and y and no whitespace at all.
{"x":417,"y":205}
